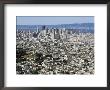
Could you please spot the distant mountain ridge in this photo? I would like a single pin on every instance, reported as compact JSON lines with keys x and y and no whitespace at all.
{"x":79,"y":26}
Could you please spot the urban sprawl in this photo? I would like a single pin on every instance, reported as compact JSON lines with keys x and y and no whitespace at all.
{"x":54,"y":51}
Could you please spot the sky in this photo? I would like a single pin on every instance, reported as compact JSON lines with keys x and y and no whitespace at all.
{"x":52,"y":20}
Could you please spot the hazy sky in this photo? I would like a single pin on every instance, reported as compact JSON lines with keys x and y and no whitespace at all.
{"x":48,"y":20}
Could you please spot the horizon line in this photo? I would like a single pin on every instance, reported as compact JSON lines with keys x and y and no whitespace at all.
{"x":52,"y":24}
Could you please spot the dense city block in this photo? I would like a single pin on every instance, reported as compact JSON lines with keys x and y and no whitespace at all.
{"x":54,"y":51}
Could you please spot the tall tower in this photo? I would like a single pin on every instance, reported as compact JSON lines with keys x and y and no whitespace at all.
{"x":43,"y":27}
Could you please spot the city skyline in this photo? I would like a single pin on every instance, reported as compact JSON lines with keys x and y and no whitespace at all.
{"x":55,"y":49}
{"x":52,"y":20}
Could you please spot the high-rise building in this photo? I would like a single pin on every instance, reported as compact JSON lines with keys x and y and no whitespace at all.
{"x":56,"y":34}
{"x":43,"y":27}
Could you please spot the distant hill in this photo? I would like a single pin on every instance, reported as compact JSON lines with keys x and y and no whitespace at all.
{"x":79,"y":26}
